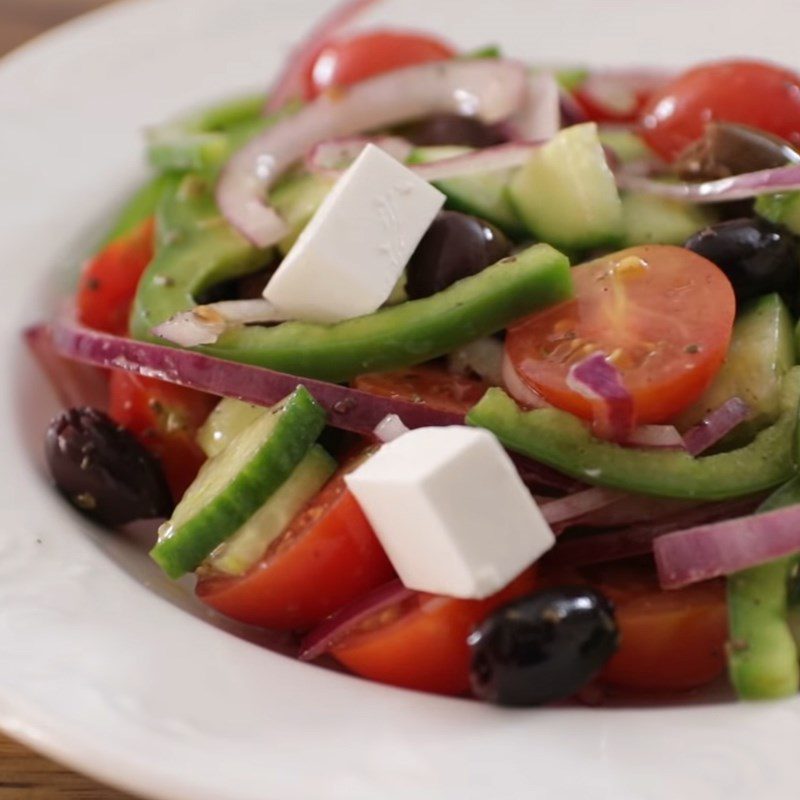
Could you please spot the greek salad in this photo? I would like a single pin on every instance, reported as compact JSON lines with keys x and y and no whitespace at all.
{"x":477,"y":376}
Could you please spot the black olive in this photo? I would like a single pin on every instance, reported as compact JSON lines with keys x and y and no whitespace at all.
{"x":454,"y":247}
{"x":543,"y":647}
{"x":103,"y":470}
{"x":756,"y":256}
{"x":452,"y":129}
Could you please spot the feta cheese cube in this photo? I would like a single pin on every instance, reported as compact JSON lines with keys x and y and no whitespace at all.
{"x":451,"y":511}
{"x":348,"y":259}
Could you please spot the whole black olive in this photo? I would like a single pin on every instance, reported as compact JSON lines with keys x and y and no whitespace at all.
{"x":454,"y":247}
{"x":543,"y":647}
{"x":756,"y":256}
{"x":452,"y":129}
{"x":103,"y":470}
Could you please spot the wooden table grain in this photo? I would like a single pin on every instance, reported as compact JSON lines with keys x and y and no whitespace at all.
{"x":24,"y":775}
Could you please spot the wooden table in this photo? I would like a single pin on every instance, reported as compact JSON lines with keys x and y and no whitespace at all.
{"x":23,"y":774}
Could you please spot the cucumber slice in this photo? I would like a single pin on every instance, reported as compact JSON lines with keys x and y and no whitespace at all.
{"x":228,"y":419}
{"x":782,"y":209}
{"x":760,"y":354}
{"x":627,"y":146}
{"x":481,"y":195}
{"x":231,"y":487}
{"x":657,"y":220}
{"x":247,"y":546}
{"x":297,"y":200}
{"x":566,"y":194}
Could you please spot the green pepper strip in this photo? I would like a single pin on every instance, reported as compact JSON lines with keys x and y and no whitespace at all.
{"x":563,"y":441}
{"x":197,"y":248}
{"x":762,"y":652}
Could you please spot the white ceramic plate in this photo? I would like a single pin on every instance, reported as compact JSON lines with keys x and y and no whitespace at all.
{"x":106,"y":666}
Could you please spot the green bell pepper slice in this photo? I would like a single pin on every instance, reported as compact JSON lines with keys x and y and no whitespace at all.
{"x":565,"y":442}
{"x":197,"y":248}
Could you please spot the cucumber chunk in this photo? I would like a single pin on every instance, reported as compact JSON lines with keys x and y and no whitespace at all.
{"x":231,"y":487}
{"x":246,"y":547}
{"x":483,"y":195}
{"x":627,"y":145}
{"x":658,"y":220}
{"x":782,"y":209}
{"x":566,"y":194}
{"x":228,"y":419}
{"x":760,"y":354}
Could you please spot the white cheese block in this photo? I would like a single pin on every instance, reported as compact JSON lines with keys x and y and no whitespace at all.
{"x":351,"y":254}
{"x":451,"y":511}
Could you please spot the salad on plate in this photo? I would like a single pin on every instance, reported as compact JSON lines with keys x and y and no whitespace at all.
{"x":476,"y":376}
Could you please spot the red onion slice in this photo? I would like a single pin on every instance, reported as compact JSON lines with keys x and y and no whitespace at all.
{"x":665,"y":436}
{"x":718,"y":424}
{"x":390,"y":428}
{"x":518,"y":389}
{"x":489,"y":89}
{"x":637,"y":540}
{"x":338,"y":625}
{"x":722,"y":548}
{"x":620,"y":91}
{"x":75,"y":384}
{"x":290,"y":83}
{"x":489,"y":159}
{"x":540,"y":115}
{"x":573,"y":506}
{"x":737,"y":187}
{"x":596,"y":379}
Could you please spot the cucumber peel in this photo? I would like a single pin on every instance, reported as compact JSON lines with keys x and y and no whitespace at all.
{"x":231,"y":487}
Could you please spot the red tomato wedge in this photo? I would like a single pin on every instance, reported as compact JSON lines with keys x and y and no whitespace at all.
{"x":662,"y":315}
{"x":165,"y":418}
{"x":748,"y":92}
{"x":422,"y":642}
{"x":348,"y":61}
{"x":433,"y":386}
{"x":669,"y":640}
{"x":326,"y":558}
{"x":109,"y":281}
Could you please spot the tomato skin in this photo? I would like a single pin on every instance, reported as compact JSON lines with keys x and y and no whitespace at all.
{"x":669,"y":640}
{"x":165,"y":418}
{"x":425,"y":647}
{"x":327,"y":558}
{"x":354,"y":59}
{"x":669,"y":323}
{"x":430,"y":385}
{"x":109,"y":281}
{"x":752,"y":93}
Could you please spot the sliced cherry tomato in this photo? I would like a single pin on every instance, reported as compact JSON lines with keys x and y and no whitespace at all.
{"x":669,"y":640}
{"x":348,"y":61}
{"x":748,"y":92}
{"x":422,"y":642}
{"x":165,"y":418}
{"x":326,"y":558}
{"x":433,"y":386}
{"x":662,"y":315}
{"x":109,"y":280}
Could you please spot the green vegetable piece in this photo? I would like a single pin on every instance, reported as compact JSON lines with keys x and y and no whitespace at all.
{"x":565,"y":442}
{"x":297,"y":199}
{"x":763,"y":658}
{"x":483,"y":195}
{"x":231,"y":487}
{"x":782,"y":209}
{"x":487,"y":51}
{"x":657,"y":220}
{"x":571,"y":78}
{"x":140,"y":206}
{"x":566,"y":194}
{"x":627,"y":145}
{"x":197,"y":249}
{"x":761,"y":352}
{"x":228,"y":419}
{"x":247,"y":546}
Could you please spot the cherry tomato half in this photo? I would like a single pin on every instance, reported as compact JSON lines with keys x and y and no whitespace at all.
{"x":748,"y":92}
{"x":433,"y":386}
{"x":109,"y":280}
{"x":326,"y":558}
{"x":662,"y":315}
{"x":165,"y":418}
{"x":348,"y":61}
{"x":422,"y":642}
